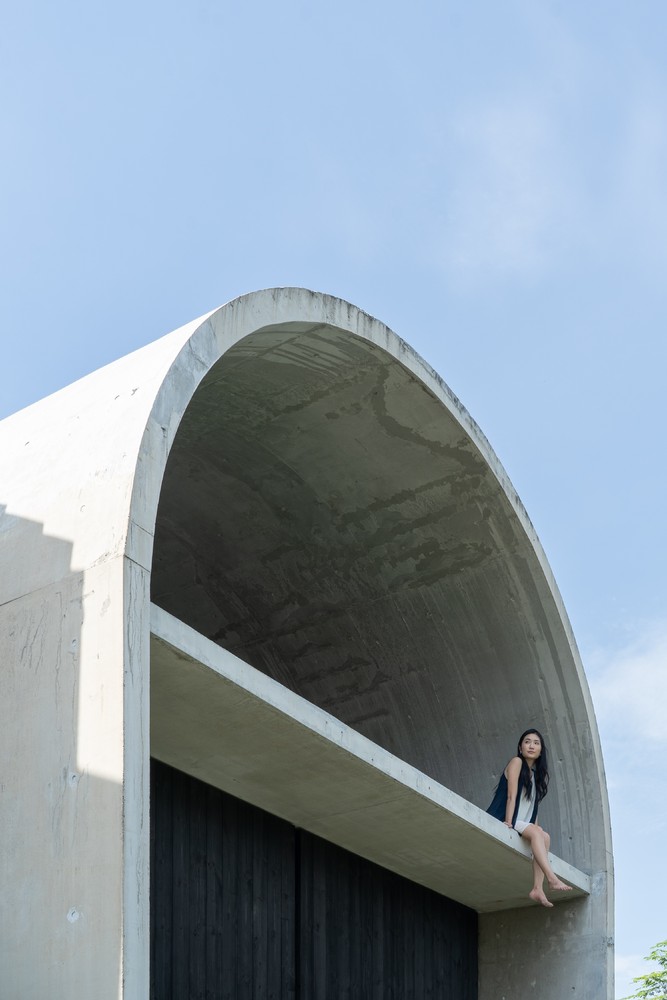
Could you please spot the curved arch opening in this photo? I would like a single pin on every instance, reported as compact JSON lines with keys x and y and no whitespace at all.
{"x":326,"y":518}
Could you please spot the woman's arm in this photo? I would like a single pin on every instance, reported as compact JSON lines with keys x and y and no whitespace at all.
{"x":512,"y":772}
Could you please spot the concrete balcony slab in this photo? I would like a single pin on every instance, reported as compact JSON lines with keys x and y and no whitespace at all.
{"x":221,"y":720}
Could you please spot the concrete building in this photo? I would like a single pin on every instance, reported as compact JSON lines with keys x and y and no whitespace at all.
{"x":273,"y":552}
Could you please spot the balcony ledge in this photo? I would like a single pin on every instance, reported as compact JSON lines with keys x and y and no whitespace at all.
{"x":226,"y":723}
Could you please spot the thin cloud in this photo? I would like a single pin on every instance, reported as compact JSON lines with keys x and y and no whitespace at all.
{"x":628,"y":967}
{"x":641,"y":191}
{"x":630,"y":687}
{"x":507,"y":198}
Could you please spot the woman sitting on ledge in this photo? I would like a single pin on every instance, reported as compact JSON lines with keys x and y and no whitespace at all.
{"x":521,"y":788}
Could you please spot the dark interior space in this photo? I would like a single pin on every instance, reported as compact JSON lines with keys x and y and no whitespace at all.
{"x":245,"y":906}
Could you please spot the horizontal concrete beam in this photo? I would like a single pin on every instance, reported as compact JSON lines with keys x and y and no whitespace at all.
{"x":220,"y":720}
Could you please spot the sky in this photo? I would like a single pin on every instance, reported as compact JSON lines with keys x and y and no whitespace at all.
{"x":489,"y":179}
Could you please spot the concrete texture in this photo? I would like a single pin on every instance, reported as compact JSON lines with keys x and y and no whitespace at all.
{"x":289,"y":479}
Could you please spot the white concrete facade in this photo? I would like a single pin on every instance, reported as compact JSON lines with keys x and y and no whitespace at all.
{"x":93,"y":472}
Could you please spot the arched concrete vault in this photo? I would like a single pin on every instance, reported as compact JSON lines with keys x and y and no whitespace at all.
{"x":285,"y":484}
{"x":331,"y":515}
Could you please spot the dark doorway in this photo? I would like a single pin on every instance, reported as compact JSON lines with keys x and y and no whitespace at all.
{"x":246,"y":907}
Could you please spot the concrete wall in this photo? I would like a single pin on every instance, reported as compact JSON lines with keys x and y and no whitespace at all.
{"x":74,"y":691}
{"x":387,"y":573}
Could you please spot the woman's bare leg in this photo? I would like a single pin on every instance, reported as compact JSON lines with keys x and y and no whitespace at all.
{"x":537,"y":892}
{"x":539,"y":841}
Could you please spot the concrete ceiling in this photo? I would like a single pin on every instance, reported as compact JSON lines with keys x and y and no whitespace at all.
{"x":327,"y":519}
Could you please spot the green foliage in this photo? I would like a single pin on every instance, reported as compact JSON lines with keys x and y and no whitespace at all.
{"x":653,"y":985}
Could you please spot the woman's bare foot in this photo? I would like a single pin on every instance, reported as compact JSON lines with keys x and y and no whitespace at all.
{"x":539,"y":897}
{"x":559,"y":886}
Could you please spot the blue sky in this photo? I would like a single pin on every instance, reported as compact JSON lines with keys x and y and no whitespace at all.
{"x":489,"y":179}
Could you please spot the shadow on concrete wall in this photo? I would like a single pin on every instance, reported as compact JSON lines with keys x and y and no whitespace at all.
{"x":57,"y":936}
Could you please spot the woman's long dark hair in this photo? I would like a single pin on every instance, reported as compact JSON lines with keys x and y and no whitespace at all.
{"x":541,"y":767}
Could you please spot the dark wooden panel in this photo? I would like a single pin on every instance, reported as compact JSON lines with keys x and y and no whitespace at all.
{"x":222,"y":920}
{"x":214,"y":978}
{"x":245,"y":907}
{"x":367,"y":934}
{"x":161,"y":882}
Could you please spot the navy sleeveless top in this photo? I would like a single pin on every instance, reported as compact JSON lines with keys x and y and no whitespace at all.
{"x":499,"y":803}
